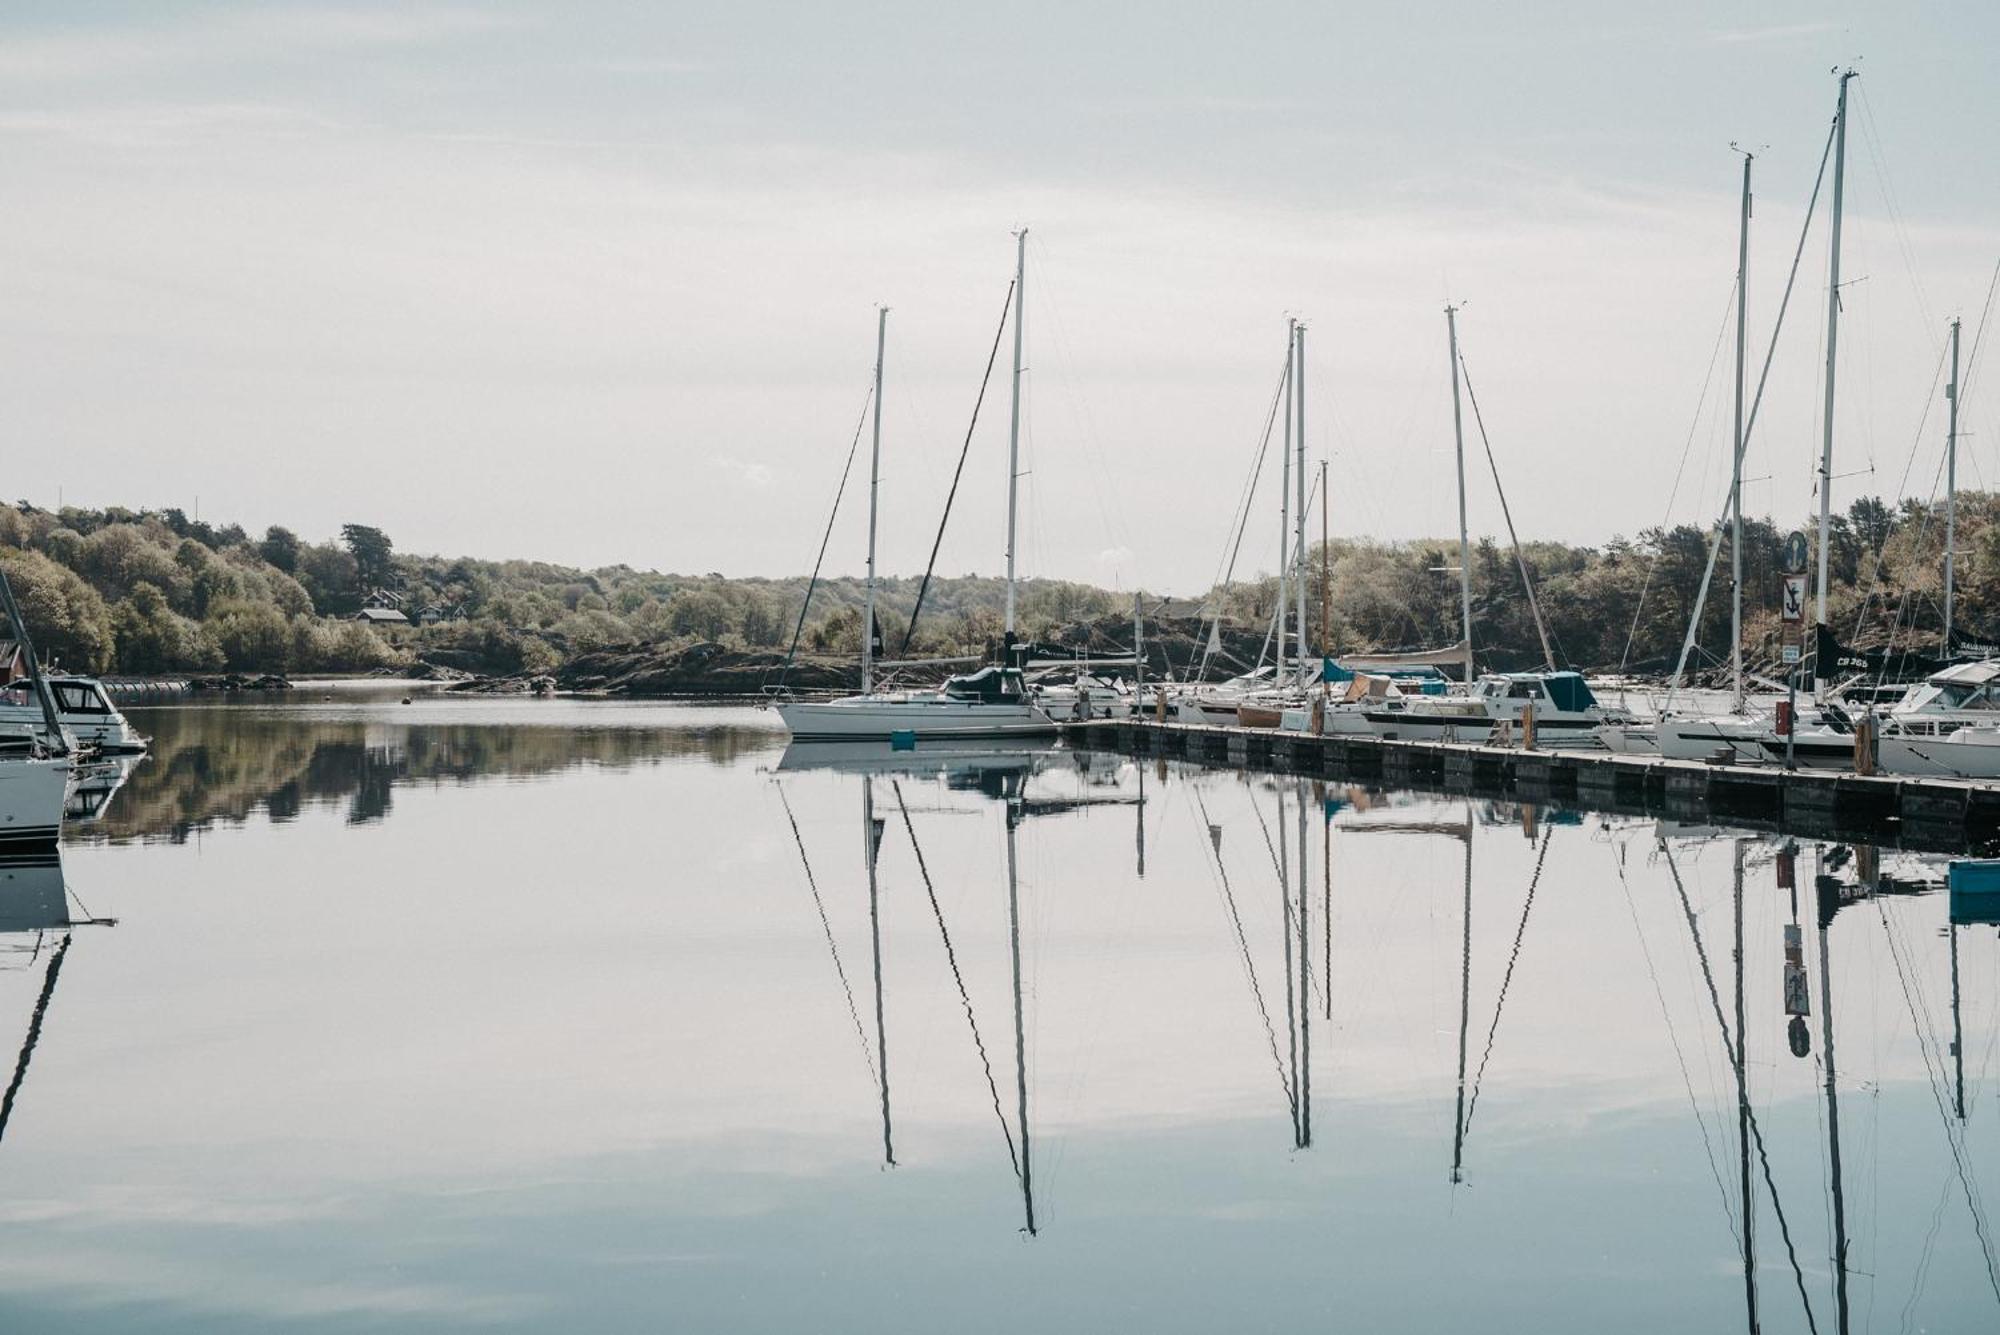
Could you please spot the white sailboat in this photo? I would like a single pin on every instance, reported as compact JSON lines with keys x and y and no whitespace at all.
{"x":995,"y":701}
{"x":35,"y":761}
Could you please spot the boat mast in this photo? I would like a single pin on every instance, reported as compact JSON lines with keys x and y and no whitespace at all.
{"x":1014,"y":422}
{"x":1832,"y":342}
{"x":1464,"y":541}
{"x":1736,"y":454}
{"x":1299,"y":520}
{"x":1325,"y":588}
{"x":1285,"y":487}
{"x":871,"y":834}
{"x":1950,"y":487}
{"x":1826,"y":909}
{"x":1743,"y":1128}
{"x":874,"y":486}
{"x":1020,"y":1024}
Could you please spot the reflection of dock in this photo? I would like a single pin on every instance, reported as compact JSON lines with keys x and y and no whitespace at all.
{"x":1939,"y":815}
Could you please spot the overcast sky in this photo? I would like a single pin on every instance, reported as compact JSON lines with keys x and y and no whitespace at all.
{"x":596,"y":282}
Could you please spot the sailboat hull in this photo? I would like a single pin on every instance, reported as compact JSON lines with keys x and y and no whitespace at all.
{"x":883,"y":717}
{"x":32,"y":793}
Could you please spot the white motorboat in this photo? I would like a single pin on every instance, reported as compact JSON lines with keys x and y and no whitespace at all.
{"x":1970,"y":752}
{"x":83,"y":708}
{"x":1567,"y":714}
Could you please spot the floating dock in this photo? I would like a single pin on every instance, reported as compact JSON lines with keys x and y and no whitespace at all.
{"x":1926,"y":815}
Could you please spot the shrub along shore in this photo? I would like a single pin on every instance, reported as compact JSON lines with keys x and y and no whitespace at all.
{"x":146,"y":592}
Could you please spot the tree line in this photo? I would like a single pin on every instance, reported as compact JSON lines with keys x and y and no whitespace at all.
{"x":155,"y":591}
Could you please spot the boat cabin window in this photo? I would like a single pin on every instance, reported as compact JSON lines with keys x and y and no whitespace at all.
{"x":1952,"y":695}
{"x":1524,"y":690}
{"x":78,"y":697}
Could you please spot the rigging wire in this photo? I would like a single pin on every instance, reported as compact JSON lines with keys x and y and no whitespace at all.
{"x":1738,"y":448}
{"x":951,"y":958}
{"x":1226,"y":569}
{"x":1673,"y":493}
{"x":1249,"y":964}
{"x":1513,"y":958}
{"x":1729,"y":1050}
{"x":1680,"y":1057}
{"x":1936,"y":1080}
{"x":805,"y":604}
{"x":959,"y":472}
{"x":867,"y":1054}
{"x":1534,"y":605}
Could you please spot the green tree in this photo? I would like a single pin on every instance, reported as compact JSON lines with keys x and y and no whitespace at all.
{"x":281,"y":548}
{"x":374,"y":556}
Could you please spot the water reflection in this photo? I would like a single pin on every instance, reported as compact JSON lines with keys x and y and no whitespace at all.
{"x":982,"y":1038}
{"x":222,"y":764}
{"x":36,"y":924}
{"x":1272,"y":830}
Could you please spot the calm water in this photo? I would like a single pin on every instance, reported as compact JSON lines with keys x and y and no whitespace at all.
{"x":550,"y":1015}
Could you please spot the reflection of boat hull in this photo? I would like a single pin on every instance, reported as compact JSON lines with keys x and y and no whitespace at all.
{"x":926,"y":757}
{"x":32,"y":898}
{"x":881,"y":717}
{"x":32,"y":793}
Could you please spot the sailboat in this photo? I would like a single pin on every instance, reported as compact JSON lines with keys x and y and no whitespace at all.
{"x":35,"y":762}
{"x":1740,"y":734}
{"x":994,"y":701}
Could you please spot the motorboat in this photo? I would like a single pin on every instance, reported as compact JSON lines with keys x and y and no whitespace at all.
{"x":1567,"y":713}
{"x":84,"y":709}
{"x":1969,"y":752}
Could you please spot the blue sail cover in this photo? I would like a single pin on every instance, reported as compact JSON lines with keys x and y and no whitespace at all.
{"x":1568,"y":691}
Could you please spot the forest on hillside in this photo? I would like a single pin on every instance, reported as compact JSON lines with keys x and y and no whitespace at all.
{"x":127,"y":591}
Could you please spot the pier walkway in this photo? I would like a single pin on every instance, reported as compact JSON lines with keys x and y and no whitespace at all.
{"x":1929,"y":815}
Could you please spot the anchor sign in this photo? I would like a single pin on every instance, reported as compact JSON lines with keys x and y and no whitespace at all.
{"x":1793,"y":606}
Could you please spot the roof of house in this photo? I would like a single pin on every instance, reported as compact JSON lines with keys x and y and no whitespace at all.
{"x":388,"y":615}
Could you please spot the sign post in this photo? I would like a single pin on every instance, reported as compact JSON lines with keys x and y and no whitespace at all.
{"x":1792,"y":611}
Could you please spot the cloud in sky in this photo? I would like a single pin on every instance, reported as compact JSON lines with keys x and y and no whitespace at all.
{"x":422,"y":255}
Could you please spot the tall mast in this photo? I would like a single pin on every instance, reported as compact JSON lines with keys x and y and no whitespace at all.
{"x":1014,"y":422}
{"x":1749,"y":1205}
{"x":1464,"y":540}
{"x":1020,"y":1023}
{"x":1299,"y":557}
{"x":1325,"y":587}
{"x":1736,"y":454}
{"x":1950,"y":487}
{"x":874,"y":486}
{"x":1832,"y":1104}
{"x":1285,"y":486}
{"x":871,"y":834}
{"x":1832,"y":343}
